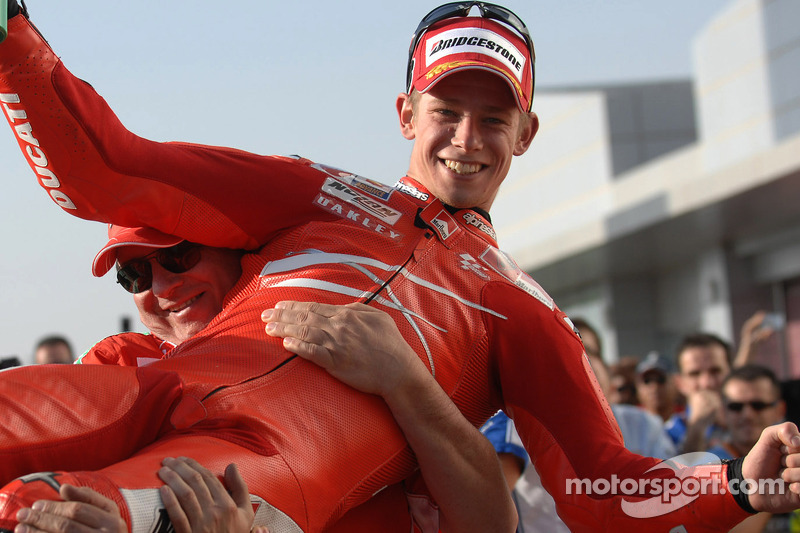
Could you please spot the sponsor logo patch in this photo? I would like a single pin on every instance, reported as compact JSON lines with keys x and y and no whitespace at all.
{"x":375,"y":188}
{"x":474,"y":220}
{"x":502,"y":263}
{"x":470,"y":263}
{"x":444,"y":224}
{"x":412,"y":191}
{"x":339,"y":208}
{"x":475,"y":40}
{"x":353,"y":196}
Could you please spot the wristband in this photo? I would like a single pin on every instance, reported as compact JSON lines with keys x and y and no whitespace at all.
{"x":735,"y":473}
{"x":15,"y":9}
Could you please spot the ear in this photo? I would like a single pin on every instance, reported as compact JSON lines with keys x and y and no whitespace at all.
{"x":405,"y":113}
{"x":526,"y":134}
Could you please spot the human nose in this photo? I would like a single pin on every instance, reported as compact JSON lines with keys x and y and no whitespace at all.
{"x":164,"y":281}
{"x":467,"y":135}
{"x":708,"y":382}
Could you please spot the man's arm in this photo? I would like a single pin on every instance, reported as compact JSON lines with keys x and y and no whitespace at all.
{"x":362,"y":347}
{"x":754,"y":331}
{"x":71,"y":139}
{"x":579,"y":453}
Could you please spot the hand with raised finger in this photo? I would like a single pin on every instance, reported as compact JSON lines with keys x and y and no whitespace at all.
{"x":82,"y":511}
{"x":357,"y":344}
{"x":773,"y":466}
{"x":197,"y":501}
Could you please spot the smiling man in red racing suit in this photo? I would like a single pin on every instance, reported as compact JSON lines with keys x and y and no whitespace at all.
{"x":310,"y":447}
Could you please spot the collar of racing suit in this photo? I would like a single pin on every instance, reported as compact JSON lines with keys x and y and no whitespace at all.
{"x":446,"y":220}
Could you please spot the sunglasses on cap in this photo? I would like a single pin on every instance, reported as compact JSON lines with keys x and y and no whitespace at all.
{"x":137,"y":276}
{"x":462,"y":9}
{"x":757,"y":405}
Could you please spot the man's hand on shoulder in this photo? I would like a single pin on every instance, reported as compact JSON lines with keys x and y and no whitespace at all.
{"x":357,"y":344}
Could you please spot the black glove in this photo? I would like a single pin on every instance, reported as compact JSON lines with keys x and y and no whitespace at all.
{"x":15,"y":9}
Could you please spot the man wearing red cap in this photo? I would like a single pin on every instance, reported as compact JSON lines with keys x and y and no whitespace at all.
{"x":423,"y":253}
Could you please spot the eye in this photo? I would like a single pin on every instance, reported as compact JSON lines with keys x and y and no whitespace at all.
{"x":445,"y":112}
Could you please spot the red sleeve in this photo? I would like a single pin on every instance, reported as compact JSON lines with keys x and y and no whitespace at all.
{"x":569,"y":431}
{"x":94,"y":168}
{"x":125,"y":349}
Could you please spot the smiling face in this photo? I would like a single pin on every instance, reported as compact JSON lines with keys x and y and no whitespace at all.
{"x":466,"y":130}
{"x":178,"y":306}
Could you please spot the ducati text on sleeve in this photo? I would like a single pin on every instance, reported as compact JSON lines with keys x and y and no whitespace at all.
{"x":18,"y":119}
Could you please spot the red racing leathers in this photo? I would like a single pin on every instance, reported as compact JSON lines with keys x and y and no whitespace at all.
{"x":311,"y":447}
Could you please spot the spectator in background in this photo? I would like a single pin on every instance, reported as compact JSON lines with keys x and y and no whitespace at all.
{"x":703,"y":363}
{"x":623,"y":381}
{"x":643,"y":432}
{"x":53,"y":349}
{"x":591,"y":340}
{"x":655,"y":385}
{"x":621,"y":388}
{"x":752,"y":400}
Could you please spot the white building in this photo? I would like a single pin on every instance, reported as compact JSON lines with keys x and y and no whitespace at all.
{"x":654,"y":210}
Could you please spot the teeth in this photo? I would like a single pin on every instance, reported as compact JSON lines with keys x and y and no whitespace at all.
{"x":185,"y":305}
{"x":462,"y":168}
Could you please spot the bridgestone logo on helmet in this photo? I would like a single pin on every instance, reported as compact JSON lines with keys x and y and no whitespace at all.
{"x":476,"y":40}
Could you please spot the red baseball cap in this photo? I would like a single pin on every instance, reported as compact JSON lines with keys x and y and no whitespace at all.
{"x":119,"y":236}
{"x":462,"y":43}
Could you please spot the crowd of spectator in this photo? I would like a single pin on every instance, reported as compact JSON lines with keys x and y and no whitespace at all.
{"x":707,"y":398}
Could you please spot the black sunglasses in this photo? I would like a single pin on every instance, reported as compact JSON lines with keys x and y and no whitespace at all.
{"x":137,"y":276}
{"x":462,"y":9}
{"x":758,"y":406}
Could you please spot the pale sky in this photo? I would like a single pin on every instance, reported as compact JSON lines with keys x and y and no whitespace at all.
{"x":317,"y":79}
